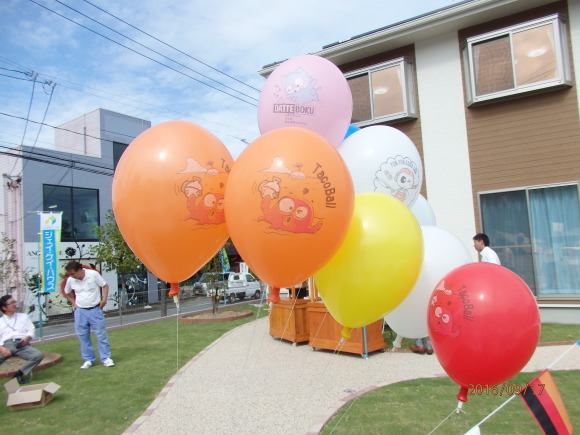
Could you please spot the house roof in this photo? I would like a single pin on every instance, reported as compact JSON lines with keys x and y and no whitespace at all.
{"x":457,"y":16}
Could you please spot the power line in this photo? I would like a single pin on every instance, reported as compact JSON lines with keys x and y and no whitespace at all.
{"x":64,"y":129}
{"x":154,"y":51}
{"x":144,"y":55}
{"x":60,"y":158}
{"x":163,"y":109}
{"x":170,"y":46}
{"x":52,"y":86}
{"x":14,"y":70}
{"x":17,"y":78}
{"x":34,"y":76}
{"x":65,"y":163}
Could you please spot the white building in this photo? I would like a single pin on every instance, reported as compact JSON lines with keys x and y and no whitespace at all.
{"x":487,"y":91}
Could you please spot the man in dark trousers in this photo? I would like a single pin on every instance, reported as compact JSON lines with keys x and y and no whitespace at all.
{"x":16,"y":332}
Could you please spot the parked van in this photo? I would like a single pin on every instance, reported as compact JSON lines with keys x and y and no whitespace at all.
{"x":232,"y":284}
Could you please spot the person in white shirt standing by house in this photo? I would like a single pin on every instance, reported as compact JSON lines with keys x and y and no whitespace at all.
{"x":16,"y":332}
{"x":481,"y":245}
{"x":91,"y":292}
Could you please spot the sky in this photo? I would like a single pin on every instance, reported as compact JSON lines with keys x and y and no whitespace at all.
{"x":198,"y":61}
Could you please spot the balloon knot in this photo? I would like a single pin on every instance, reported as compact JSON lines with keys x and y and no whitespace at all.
{"x":345,"y":333}
{"x":173,"y":289}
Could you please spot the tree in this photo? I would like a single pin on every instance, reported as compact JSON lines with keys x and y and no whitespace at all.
{"x":113,"y":252}
{"x":10,"y":277}
{"x":214,"y":282}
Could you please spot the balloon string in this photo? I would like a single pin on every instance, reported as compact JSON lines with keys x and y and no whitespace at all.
{"x":345,"y":413}
{"x":444,"y":420}
{"x":339,"y":346}
{"x":288,"y":319}
{"x":320,"y":326}
{"x":547,"y":368}
{"x":512,"y":397}
{"x":177,"y":356}
{"x":254,"y":332}
{"x":562,"y":356}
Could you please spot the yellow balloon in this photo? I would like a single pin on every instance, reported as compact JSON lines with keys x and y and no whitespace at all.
{"x":377,"y":264}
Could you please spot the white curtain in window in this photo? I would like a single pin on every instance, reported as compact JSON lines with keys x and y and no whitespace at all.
{"x":555,"y":220}
{"x":505,"y":221}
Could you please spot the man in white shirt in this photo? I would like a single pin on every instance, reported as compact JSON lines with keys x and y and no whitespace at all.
{"x":481,"y":245}
{"x":16,"y":332}
{"x":91,"y":292}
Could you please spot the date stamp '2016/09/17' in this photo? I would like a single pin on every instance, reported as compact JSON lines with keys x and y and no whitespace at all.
{"x":501,"y":389}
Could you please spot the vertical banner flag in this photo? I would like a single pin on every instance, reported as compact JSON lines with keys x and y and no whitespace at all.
{"x":543,"y":400}
{"x":224,"y":259}
{"x":50,"y":226}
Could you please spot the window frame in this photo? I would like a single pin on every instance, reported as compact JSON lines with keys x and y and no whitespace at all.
{"x":562,"y":54}
{"x":408,"y":87}
{"x":71,"y":190}
{"x":526,"y":189}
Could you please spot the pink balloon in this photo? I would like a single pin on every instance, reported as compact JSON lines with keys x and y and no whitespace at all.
{"x":309,"y":92}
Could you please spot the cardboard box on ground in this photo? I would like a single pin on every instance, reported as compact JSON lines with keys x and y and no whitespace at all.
{"x":29,"y":396}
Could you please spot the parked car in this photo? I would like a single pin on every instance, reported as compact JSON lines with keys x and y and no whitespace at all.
{"x":232,"y":285}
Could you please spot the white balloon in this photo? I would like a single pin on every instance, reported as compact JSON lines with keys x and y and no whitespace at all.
{"x":443,"y":252}
{"x":423,"y":212}
{"x":383,"y":159}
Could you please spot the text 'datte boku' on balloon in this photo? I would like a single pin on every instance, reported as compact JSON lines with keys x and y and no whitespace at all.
{"x":289,"y":201}
{"x":308,"y":92}
{"x":168,"y":198}
{"x":484,"y":324}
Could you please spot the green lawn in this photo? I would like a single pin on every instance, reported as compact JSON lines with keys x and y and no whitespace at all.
{"x":418,"y":406}
{"x":108,"y":400}
{"x":104,"y":400}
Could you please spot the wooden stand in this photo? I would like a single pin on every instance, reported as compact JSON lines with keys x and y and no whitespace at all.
{"x":325,"y":332}
{"x":289,"y":318}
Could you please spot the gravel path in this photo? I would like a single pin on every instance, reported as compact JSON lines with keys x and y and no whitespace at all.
{"x":247,"y":382}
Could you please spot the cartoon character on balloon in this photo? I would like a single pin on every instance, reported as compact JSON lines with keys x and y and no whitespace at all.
{"x":283,"y":206}
{"x":204,"y":193}
{"x":398,"y":177}
{"x":299,"y":87}
{"x":442,"y":305}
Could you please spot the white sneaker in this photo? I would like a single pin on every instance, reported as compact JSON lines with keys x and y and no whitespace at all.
{"x":108,"y":362}
{"x":86,"y":365}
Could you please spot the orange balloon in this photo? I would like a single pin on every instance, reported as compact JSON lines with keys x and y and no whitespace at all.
{"x":289,"y":201}
{"x":168,"y":198}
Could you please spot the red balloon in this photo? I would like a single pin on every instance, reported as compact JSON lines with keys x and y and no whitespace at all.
{"x":484,"y":325}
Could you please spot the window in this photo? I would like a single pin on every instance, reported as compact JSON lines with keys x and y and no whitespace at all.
{"x":118,"y":150}
{"x":536,"y":233}
{"x":79,"y":207}
{"x":528,"y":57}
{"x":384,"y":92}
